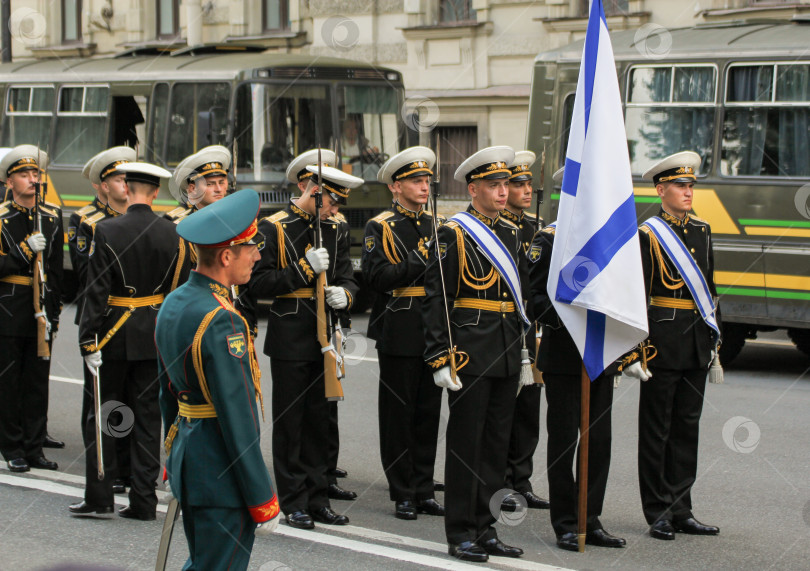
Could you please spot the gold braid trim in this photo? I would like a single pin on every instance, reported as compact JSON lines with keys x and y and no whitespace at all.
{"x":196,"y":353}
{"x":193,"y":254}
{"x":482,"y":283}
{"x":667,"y":279}
{"x":282,"y":258}
{"x":389,"y":246}
{"x":460,"y":359}
{"x":181,"y":256}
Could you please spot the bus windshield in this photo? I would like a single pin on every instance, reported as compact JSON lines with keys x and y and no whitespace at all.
{"x":274,"y":123}
{"x":369,"y":131}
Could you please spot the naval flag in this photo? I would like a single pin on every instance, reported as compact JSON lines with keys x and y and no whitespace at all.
{"x":595,"y":279}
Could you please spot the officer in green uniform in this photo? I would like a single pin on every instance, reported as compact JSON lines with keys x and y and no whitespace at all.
{"x":23,"y":374}
{"x":394,"y":260}
{"x":671,"y":402}
{"x":209,"y":387}
{"x":526,"y":423}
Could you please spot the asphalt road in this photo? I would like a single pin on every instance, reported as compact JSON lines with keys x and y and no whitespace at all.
{"x":753,"y":482}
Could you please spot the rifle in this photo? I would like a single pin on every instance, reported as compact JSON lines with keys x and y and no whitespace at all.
{"x":542,"y":185}
{"x":332,"y":361}
{"x":434,"y":196}
{"x":43,"y":327}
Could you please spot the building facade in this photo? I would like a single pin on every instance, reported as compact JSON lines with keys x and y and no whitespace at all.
{"x":466,"y":63}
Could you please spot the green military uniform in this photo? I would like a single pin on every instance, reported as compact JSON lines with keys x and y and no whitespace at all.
{"x":209,"y":385}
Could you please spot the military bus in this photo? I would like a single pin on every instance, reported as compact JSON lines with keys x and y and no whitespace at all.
{"x":739,"y":94}
{"x":168,"y":104}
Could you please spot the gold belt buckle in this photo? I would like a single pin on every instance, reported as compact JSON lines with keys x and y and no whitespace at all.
{"x":504,"y":307}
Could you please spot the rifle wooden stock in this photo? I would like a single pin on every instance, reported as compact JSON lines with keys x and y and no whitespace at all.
{"x":43,"y":349}
{"x":332,"y":386}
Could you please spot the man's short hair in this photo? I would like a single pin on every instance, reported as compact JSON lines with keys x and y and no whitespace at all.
{"x":137,"y":187}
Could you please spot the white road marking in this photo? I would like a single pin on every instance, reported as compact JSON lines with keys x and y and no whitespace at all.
{"x":771,"y":342}
{"x":445,"y":562}
{"x":67,"y":380}
{"x":368,"y":359}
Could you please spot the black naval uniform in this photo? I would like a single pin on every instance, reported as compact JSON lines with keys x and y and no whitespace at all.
{"x":24,"y":376}
{"x":671,"y":402}
{"x":300,"y":409}
{"x":526,"y":423}
{"x":78,"y":258}
{"x":488,"y":330}
{"x":394,"y":260}
{"x":561,"y":364}
{"x":133,"y":261}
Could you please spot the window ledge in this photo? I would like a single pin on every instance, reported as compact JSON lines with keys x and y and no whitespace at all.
{"x":449,"y":30}
{"x":276,"y":39}
{"x":615,"y":23}
{"x":796,"y":6}
{"x":63,"y":50}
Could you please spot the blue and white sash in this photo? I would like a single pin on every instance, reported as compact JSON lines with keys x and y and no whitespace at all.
{"x":688,"y":268}
{"x":496,"y":254}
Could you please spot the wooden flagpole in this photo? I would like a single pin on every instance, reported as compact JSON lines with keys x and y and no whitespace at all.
{"x":582,"y":480}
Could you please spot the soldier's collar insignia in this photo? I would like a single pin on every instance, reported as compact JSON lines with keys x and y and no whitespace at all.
{"x":219,"y":289}
{"x":534,"y":253}
{"x":509,"y":215}
{"x":237,"y":345}
{"x":16,"y":206}
{"x":674,"y":219}
{"x":483,"y":218}
{"x":369,"y":241}
{"x":111,"y":211}
{"x":409,"y":213}
{"x":300,"y":212}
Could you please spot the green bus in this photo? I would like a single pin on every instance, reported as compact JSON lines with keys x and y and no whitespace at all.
{"x":168,"y":104}
{"x":738,"y":93}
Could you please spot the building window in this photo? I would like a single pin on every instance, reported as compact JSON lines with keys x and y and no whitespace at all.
{"x":275,"y":15}
{"x":457,"y":144}
{"x":167,"y":18}
{"x":612,"y":7}
{"x":456,"y":11}
{"x":71,"y":21}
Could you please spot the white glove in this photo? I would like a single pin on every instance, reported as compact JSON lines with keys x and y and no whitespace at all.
{"x":336,"y":297}
{"x":444,"y":380}
{"x":169,"y":489}
{"x":267,"y":527}
{"x":636,"y":371}
{"x":318,"y":258}
{"x":37,"y":242}
{"x":93,"y":360}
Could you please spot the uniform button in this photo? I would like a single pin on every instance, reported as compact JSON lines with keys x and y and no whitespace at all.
{"x":504,"y":294}
{"x":417,"y":223}
{"x":685,"y":231}
{"x":513,"y":232}
{"x":392,"y":224}
{"x":692,"y":250}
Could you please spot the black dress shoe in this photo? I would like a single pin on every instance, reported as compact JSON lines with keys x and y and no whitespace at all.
{"x":86,"y":510}
{"x":468,"y":551}
{"x":498,"y":548}
{"x":694,"y":527}
{"x":119,"y":487}
{"x":329,"y":517}
{"x":335,"y":492}
{"x":430,"y":507}
{"x":510,"y":504}
{"x":51,"y":442}
{"x":601,"y":538}
{"x":568,"y":541}
{"x":18,"y":465}
{"x":42,"y":463}
{"x":438,"y":486}
{"x":535,"y":501}
{"x":128,"y":513}
{"x":338,"y":472}
{"x":405,"y":510}
{"x":662,"y":529}
{"x":300,"y":520}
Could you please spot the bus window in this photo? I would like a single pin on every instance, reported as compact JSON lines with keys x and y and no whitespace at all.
{"x":274,"y":123}
{"x":198,"y":118}
{"x":368,"y":127}
{"x":28,"y":116}
{"x":767,"y":121}
{"x":157,"y":122}
{"x":670,"y":109}
{"x":81,"y":124}
{"x":568,"y":115}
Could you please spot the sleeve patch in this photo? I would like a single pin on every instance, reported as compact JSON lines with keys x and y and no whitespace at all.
{"x":81,"y":243}
{"x":534,"y":253}
{"x":237,"y":345}
{"x":369,"y":243}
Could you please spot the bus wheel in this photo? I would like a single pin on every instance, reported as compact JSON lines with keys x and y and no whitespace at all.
{"x":734,"y":336}
{"x":801,"y":337}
